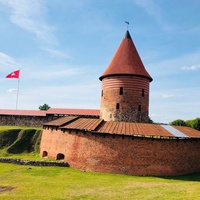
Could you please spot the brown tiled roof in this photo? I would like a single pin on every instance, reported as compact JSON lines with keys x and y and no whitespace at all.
{"x":22,"y":112}
{"x":84,"y":124}
{"x":71,"y":111}
{"x":190,"y":132}
{"x":126,"y":61}
{"x":58,"y":111}
{"x":61,"y":121}
{"x":125,"y":128}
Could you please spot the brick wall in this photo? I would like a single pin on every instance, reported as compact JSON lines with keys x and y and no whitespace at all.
{"x":133,"y":101}
{"x":123,"y":154}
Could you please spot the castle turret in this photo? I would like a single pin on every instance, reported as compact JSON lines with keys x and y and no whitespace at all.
{"x":125,"y":86}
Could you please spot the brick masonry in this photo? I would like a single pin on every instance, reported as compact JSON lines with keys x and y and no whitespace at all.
{"x":133,"y":103}
{"x":17,"y":120}
{"x":122,"y":154}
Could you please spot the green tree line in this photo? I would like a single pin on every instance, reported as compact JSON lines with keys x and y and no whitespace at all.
{"x":194,"y":123}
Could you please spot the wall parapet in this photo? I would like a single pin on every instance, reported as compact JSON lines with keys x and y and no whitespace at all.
{"x":33,"y":162}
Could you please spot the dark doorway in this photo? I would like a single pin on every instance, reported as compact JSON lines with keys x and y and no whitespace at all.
{"x":44,"y":154}
{"x":60,"y":156}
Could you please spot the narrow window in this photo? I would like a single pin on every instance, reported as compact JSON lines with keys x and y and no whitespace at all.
{"x":120,"y":90}
{"x":101,"y":92}
{"x":139,"y":108}
{"x":142,"y":92}
{"x":117,"y":106}
{"x":110,"y":115}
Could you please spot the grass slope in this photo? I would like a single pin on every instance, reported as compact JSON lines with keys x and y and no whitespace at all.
{"x":17,"y":140}
{"x":7,"y":137}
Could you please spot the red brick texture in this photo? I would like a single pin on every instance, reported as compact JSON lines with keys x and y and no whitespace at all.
{"x":133,"y":101}
{"x":122,"y":154}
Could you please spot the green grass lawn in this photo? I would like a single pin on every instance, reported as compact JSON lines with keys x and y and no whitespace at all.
{"x":64,"y":183}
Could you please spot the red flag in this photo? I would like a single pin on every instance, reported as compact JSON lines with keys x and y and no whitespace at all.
{"x":14,"y":74}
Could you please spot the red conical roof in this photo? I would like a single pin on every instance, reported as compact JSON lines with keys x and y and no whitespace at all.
{"x":126,"y":61}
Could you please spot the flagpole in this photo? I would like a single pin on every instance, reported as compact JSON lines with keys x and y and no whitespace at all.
{"x":17,"y":93}
{"x":15,"y":74}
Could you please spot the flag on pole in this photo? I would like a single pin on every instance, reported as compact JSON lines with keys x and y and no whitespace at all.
{"x":14,"y":74}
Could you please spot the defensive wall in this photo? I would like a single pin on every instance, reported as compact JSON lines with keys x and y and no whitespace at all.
{"x":36,"y":118}
{"x":122,"y":154}
{"x":24,"y":120}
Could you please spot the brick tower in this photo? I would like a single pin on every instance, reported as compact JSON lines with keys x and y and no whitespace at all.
{"x":125,"y":86}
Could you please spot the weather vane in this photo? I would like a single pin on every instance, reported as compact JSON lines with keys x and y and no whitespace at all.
{"x":127,"y":24}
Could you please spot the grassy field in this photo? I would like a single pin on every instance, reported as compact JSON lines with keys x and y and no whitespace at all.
{"x":56,"y":183}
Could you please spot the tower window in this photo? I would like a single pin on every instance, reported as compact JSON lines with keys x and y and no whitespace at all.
{"x":117,"y":106}
{"x":121,"y":90}
{"x":101,"y":92}
{"x":139,"y":107}
{"x":142,"y":92}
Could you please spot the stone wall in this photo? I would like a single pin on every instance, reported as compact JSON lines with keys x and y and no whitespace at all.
{"x":17,"y":120}
{"x":122,"y":154}
{"x":33,"y":163}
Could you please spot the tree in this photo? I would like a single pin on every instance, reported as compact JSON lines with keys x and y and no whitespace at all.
{"x":178,"y":122}
{"x":150,"y":121}
{"x":189,"y":123}
{"x":196,"y":123}
{"x":44,"y":107}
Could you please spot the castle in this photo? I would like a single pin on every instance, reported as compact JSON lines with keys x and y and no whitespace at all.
{"x":121,"y":140}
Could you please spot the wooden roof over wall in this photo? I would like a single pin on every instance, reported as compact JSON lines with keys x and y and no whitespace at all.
{"x":125,"y":128}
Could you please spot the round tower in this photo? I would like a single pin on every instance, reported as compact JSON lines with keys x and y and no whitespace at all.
{"x":125,"y":86}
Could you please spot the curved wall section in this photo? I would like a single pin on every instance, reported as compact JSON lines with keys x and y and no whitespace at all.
{"x":123,"y":154}
{"x":125,"y":98}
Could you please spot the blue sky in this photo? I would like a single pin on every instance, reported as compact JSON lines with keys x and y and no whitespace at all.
{"x":62,"y":47}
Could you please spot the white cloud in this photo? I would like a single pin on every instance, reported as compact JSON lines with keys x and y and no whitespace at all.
{"x":172,"y":65}
{"x":53,"y":72}
{"x":6,"y":60}
{"x":56,"y":53}
{"x":193,"y":67}
{"x":167,"y":95}
{"x":12,"y":90}
{"x":29,"y":15}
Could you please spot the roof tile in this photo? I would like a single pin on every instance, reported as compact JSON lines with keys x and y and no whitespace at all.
{"x":126,"y":61}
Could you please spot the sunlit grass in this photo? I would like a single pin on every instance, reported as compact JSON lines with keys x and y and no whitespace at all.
{"x":3,"y":128}
{"x":65,"y":183}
